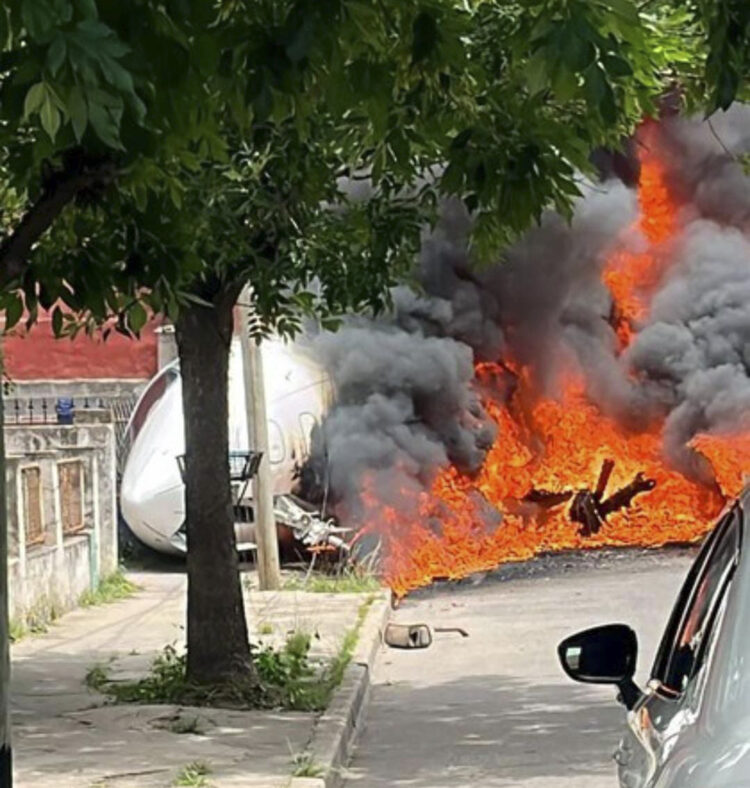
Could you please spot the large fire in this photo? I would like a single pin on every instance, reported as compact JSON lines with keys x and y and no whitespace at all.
{"x":547,"y":447}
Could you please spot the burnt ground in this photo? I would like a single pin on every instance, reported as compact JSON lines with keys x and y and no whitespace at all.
{"x":557,"y":564}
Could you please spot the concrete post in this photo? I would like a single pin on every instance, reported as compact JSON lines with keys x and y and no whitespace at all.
{"x":269,"y":569}
{"x":166,"y":345}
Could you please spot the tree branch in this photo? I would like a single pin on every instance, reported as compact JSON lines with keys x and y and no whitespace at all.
{"x":60,"y":189}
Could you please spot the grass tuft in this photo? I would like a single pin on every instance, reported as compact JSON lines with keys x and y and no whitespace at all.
{"x":110,"y":589}
{"x":350,"y":581}
{"x":97,"y":678}
{"x":306,"y":766}
{"x":287,"y":677}
{"x":193,"y":775}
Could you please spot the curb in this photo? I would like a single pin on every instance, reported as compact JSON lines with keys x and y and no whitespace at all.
{"x":337,"y":728}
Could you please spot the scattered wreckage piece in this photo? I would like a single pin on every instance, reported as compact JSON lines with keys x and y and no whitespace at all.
{"x":459,"y":630}
{"x":624,"y":496}
{"x":547,"y":499}
{"x":407,"y":636}
{"x":308,"y":526}
{"x":589,"y":508}
{"x":410,"y":636}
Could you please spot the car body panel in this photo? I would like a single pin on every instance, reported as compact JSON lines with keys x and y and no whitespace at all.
{"x":700,"y":737}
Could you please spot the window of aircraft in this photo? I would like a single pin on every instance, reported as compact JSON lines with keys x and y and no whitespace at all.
{"x":276,"y":450}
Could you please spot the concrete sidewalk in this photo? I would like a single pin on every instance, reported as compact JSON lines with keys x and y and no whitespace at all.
{"x":65,"y":736}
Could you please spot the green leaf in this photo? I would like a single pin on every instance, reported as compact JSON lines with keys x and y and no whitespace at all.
{"x":34,"y":99}
{"x":56,"y":54}
{"x":301,"y":40}
{"x":50,"y":117}
{"x":461,"y":140}
{"x":536,"y":72}
{"x":599,"y":94}
{"x":57,"y":321}
{"x":116,"y":75}
{"x":93,"y":28}
{"x":13,"y":310}
{"x":564,"y":83}
{"x":78,"y":111}
{"x":263,"y":104}
{"x":37,"y":17}
{"x":608,"y":106}
{"x":104,"y":116}
{"x":623,"y":8}
{"x":137,"y":317}
{"x":577,"y":53}
{"x":424,"y":37}
{"x":87,"y":8}
{"x":617,"y":66}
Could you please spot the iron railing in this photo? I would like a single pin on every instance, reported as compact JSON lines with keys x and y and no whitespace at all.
{"x":117,"y":408}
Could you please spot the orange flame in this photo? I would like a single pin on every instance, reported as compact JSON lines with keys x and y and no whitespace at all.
{"x":729,"y":456}
{"x":632,"y":277}
{"x":464,"y":525}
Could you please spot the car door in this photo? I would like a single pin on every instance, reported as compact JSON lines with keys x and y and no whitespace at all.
{"x":668,"y":707}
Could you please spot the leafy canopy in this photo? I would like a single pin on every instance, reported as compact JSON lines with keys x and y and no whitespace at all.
{"x":211,"y":141}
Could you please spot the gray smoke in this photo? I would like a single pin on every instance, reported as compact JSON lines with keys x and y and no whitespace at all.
{"x":694,"y":352}
{"x":408,"y":404}
{"x":701,"y":157}
{"x":405,"y":405}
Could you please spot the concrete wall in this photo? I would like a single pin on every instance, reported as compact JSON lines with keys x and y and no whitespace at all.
{"x":48,"y":576}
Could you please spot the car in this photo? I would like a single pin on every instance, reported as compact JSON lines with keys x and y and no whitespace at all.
{"x":690,"y":727}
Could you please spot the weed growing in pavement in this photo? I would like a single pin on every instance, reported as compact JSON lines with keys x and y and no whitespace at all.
{"x":110,"y":589}
{"x":306,"y":766}
{"x":17,"y":630}
{"x":287,"y":677}
{"x":97,"y":678}
{"x":36,"y":620}
{"x":350,"y":581}
{"x":194,"y":775}
{"x":48,"y":609}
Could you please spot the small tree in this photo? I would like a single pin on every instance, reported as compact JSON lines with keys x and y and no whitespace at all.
{"x":159,"y":155}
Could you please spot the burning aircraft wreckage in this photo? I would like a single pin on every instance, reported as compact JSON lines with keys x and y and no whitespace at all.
{"x":591,"y":389}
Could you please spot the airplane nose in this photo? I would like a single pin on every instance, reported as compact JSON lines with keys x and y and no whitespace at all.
{"x":152,"y":498}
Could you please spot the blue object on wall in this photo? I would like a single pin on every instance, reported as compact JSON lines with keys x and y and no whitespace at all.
{"x":65,"y":409}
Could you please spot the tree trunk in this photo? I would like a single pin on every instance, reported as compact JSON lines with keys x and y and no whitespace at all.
{"x":217,"y":637}
{"x":6,"y":775}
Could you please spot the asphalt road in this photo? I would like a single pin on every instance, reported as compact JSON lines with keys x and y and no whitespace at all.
{"x":494,"y":709}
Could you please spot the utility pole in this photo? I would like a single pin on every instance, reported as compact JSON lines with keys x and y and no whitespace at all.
{"x":6,"y":770}
{"x":269,"y":570}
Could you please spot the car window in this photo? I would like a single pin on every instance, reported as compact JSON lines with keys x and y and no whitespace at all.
{"x":687,"y":635}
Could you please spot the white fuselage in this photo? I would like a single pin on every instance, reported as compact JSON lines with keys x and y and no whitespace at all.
{"x":152,"y":494}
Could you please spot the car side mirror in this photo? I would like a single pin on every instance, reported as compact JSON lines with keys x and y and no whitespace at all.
{"x":408,"y":636}
{"x":603,"y":655}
